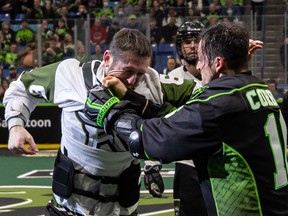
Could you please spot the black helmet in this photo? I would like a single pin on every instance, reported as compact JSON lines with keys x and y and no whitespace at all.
{"x":186,"y":31}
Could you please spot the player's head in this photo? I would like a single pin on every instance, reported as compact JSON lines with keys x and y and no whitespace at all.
{"x":187,"y":41}
{"x":129,"y":56}
{"x":223,"y":49}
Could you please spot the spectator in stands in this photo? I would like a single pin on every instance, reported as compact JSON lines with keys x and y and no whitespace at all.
{"x":191,"y":16}
{"x":24,"y":35}
{"x":106,"y":20}
{"x":81,"y":24}
{"x":37,"y":11}
{"x":61,"y":29}
{"x":27,"y":57}
{"x":157,"y":13}
{"x":9,"y":34}
{"x":167,"y":33}
{"x":4,"y":86}
{"x":127,"y":7}
{"x":172,"y":13}
{"x":62,"y":13}
{"x":59,"y":43}
{"x":141,"y":19}
{"x":212,"y":16}
{"x":69,"y":46}
{"x":240,"y":4}
{"x":3,"y":48}
{"x":13,"y":75}
{"x":106,"y":6}
{"x":120,"y":17}
{"x":98,"y":55}
{"x":133,"y":24}
{"x":81,"y":53}
{"x":105,"y":9}
{"x":165,"y":4}
{"x":112,"y":30}
{"x":81,"y":12}
{"x":50,"y":9}
{"x":230,"y":11}
{"x":60,"y":3}
{"x":142,"y":5}
{"x":171,"y":65}
{"x":93,"y":4}
{"x":98,"y":33}
{"x":46,"y":31}
{"x":180,"y":8}
{"x":199,"y":7}
{"x":11,"y":56}
{"x":73,"y":7}
{"x":23,"y":5}
{"x":216,"y":6}
{"x":52,"y":53}
{"x":277,"y":92}
{"x":8,"y":7}
{"x":213,"y":20}
{"x":154,"y":31}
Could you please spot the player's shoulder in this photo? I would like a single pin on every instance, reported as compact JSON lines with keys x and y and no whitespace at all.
{"x":177,"y":72}
{"x":167,"y":79}
{"x":151,"y":72}
{"x":69,"y":62}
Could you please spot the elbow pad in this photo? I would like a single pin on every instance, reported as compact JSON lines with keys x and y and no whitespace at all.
{"x":126,"y":127}
{"x":136,"y":145}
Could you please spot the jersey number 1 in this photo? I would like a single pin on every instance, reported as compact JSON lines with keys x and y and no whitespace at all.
{"x":279,"y":151}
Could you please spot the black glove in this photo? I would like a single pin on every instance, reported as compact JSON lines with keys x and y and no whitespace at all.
{"x":98,"y":103}
{"x":102,"y":105}
{"x":153,"y":180}
{"x":98,"y":106}
{"x":118,"y":118}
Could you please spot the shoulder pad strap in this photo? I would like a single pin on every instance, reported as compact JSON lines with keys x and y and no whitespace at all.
{"x":88,"y":73}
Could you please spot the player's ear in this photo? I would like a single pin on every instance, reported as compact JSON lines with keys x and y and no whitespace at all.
{"x":219,"y":63}
{"x":107,"y":58}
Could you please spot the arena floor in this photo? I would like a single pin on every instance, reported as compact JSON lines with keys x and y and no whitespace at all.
{"x":25,"y":186}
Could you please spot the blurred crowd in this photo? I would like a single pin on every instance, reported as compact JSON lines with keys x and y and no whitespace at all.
{"x":63,"y":25}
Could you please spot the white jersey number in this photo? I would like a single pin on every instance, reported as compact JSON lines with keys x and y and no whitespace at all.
{"x":279,"y":154}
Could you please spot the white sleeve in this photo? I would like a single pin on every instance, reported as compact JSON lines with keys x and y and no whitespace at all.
{"x":70,"y":92}
{"x":19,"y":104}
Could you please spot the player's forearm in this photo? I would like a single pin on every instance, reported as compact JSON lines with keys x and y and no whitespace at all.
{"x":18,"y":104}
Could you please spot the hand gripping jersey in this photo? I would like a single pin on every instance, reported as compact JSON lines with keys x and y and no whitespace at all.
{"x":234,"y":131}
{"x":106,"y":178}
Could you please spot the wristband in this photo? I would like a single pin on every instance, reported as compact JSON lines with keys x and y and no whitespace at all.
{"x":15,"y":121}
{"x":104,"y":110}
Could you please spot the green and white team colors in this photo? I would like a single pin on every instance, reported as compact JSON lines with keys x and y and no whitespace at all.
{"x":105,"y":177}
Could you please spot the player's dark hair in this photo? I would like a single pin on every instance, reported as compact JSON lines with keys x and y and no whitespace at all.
{"x":227,"y":40}
{"x":132,"y":40}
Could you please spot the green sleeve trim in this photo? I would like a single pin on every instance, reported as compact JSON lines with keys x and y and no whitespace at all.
{"x":200,"y":90}
{"x":92,"y":105}
{"x":145,"y":153}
